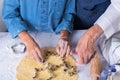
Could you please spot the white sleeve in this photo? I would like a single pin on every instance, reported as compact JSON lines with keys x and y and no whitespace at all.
{"x":110,"y":20}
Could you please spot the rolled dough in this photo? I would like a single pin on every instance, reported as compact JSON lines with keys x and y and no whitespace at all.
{"x":53,"y":68}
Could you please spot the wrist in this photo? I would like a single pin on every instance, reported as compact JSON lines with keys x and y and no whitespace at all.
{"x":95,"y":32}
{"x":98,"y":30}
{"x":26,"y":38}
{"x":64,"y":34}
{"x":63,"y":38}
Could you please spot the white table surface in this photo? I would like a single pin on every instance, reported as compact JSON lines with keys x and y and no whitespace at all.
{"x":9,"y":60}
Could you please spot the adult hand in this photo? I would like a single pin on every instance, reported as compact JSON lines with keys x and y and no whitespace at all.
{"x":85,"y":46}
{"x":63,"y":47}
{"x":33,"y":49}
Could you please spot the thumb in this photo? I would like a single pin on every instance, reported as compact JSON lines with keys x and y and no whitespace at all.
{"x":80,"y":60}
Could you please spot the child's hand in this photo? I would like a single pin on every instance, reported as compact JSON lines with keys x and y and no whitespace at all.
{"x":63,"y":47}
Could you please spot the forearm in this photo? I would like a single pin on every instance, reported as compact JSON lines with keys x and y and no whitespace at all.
{"x":25,"y":37}
{"x":95,"y":32}
{"x":33,"y":48}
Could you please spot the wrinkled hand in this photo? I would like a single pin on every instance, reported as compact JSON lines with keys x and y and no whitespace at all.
{"x":34,"y":51}
{"x":85,"y":46}
{"x":63,"y":47}
{"x":85,"y":49}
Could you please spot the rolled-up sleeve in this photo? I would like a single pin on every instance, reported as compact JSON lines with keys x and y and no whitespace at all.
{"x":11,"y":17}
{"x":68,"y":17}
{"x":110,"y":20}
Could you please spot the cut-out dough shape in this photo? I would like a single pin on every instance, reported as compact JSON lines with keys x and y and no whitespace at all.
{"x":54,"y":67}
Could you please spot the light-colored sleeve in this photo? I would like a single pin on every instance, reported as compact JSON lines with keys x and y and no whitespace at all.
{"x":110,"y":20}
{"x":68,"y":17}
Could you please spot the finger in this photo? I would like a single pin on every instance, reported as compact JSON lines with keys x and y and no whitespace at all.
{"x":61,"y":47}
{"x":39,"y":53}
{"x":77,"y":48}
{"x":80,"y":58}
{"x":85,"y":59}
{"x":30,"y":53}
{"x":58,"y":49}
{"x":37,"y":58}
{"x":32,"y":56}
{"x":90,"y":56}
{"x":65,"y":48}
{"x":68,"y":51}
{"x":71,"y":52}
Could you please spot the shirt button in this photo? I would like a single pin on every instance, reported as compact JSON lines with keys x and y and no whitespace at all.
{"x":44,"y":2}
{"x":43,"y":11}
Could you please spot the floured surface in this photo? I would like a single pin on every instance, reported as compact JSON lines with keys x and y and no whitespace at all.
{"x":9,"y":60}
{"x":54,"y":68}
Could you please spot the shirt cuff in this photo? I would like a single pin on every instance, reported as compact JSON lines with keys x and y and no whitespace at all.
{"x":17,"y":29}
{"x":109,"y":21}
{"x":64,"y":26}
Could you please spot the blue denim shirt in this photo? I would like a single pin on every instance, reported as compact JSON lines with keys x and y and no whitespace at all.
{"x":41,"y":15}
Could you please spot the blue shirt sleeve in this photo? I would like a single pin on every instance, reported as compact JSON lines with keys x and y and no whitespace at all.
{"x":11,"y":17}
{"x":68,"y":17}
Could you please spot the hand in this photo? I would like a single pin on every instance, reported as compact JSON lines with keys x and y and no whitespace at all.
{"x":63,"y":47}
{"x":33,"y":49}
{"x":85,"y":49}
{"x":85,"y":46}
